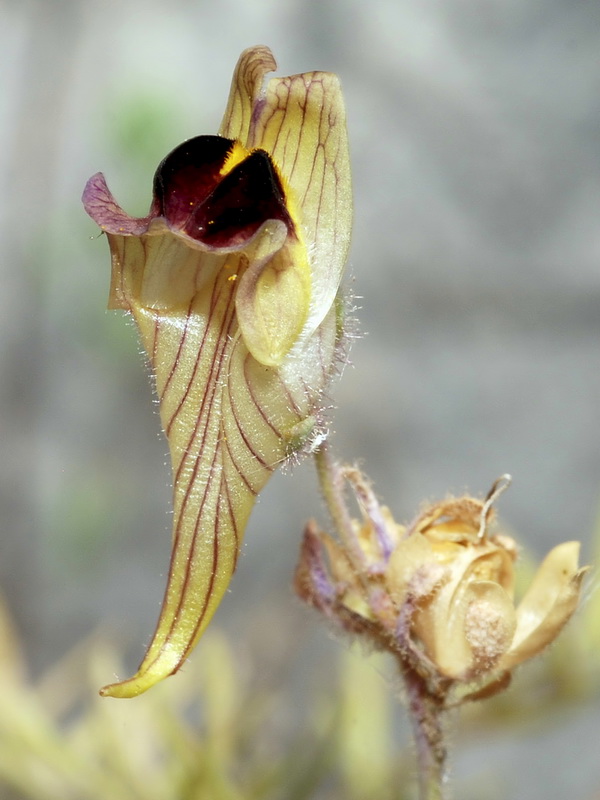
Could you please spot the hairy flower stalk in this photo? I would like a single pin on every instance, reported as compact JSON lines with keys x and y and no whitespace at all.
{"x":232,"y":280}
{"x":438,"y":595}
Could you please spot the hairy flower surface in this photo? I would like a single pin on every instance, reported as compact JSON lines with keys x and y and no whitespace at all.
{"x":232,"y":280}
{"x":440,"y":592}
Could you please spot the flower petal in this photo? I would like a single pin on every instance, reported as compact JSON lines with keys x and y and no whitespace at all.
{"x":412,"y":559}
{"x":489,"y":624}
{"x":214,"y":191}
{"x":272,"y":303}
{"x":302,"y":124}
{"x":221,"y":456}
{"x":249,"y":195}
{"x":105,"y":211}
{"x":245,"y":92}
{"x":188,"y":175}
{"x":466,"y":631}
{"x":229,"y":422}
{"x":548,"y":604}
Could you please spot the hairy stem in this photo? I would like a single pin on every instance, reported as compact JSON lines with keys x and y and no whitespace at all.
{"x":425,"y":714}
{"x":425,"y":708}
{"x":331,"y":481}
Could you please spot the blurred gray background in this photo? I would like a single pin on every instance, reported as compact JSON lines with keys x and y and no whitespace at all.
{"x":474,"y":130}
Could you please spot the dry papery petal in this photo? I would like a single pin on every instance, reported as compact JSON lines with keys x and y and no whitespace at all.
{"x":490,"y":623}
{"x":548,"y":604}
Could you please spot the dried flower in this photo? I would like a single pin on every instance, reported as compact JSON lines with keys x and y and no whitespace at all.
{"x":232,"y":280}
{"x":440,"y":593}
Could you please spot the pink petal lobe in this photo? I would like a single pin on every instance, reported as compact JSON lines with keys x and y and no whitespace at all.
{"x":105,"y":211}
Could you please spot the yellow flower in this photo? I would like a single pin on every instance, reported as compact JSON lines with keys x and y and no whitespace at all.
{"x":232,"y":280}
{"x":441,"y":592}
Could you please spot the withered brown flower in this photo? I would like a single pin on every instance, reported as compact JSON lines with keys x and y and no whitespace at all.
{"x":439,"y":592}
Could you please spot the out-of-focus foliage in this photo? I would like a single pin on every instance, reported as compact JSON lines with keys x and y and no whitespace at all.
{"x":206,"y":734}
{"x":213,"y":732}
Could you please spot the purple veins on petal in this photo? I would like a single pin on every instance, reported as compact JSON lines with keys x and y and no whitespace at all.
{"x":107,"y":213}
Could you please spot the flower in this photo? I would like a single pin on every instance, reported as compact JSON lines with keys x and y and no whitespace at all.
{"x":439,"y":594}
{"x":232,"y":280}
